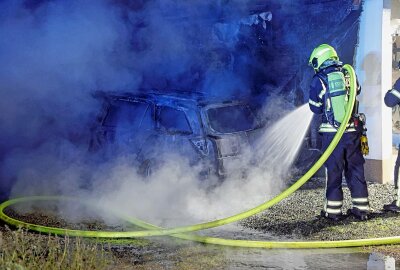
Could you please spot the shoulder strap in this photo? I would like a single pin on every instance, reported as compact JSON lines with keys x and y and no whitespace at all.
{"x":323,"y":79}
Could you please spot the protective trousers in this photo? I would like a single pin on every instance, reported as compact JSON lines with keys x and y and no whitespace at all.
{"x":347,"y":158}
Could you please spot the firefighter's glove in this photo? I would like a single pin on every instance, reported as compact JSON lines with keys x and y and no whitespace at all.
{"x":364,"y":145}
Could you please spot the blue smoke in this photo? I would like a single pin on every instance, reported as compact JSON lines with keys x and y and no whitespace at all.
{"x":55,"y":54}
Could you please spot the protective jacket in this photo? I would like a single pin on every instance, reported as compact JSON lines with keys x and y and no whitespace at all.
{"x":392,"y":97}
{"x":317,"y":98}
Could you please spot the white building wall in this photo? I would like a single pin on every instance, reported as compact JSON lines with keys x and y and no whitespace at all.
{"x":373,"y":67}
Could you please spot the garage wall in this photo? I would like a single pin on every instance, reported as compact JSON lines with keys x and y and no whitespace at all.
{"x":373,"y":66}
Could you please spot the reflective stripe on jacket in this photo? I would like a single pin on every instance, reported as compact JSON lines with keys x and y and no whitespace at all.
{"x":326,"y":127}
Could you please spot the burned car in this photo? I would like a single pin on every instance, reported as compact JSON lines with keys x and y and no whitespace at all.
{"x":208,"y":132}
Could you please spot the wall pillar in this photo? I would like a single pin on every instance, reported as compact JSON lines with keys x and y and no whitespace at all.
{"x":374,"y":69}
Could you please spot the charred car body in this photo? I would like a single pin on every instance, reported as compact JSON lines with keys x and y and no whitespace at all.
{"x":149,"y":125}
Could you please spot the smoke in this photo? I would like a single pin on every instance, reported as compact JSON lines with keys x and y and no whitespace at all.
{"x":55,"y":54}
{"x":173,"y":195}
{"x":52,"y":58}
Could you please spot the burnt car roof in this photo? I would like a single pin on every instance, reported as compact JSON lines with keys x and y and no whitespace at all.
{"x":178,"y":98}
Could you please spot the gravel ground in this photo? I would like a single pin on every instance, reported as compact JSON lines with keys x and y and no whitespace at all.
{"x":298,"y":216}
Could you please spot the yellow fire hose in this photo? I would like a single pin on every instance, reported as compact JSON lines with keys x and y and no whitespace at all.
{"x":183,"y":232}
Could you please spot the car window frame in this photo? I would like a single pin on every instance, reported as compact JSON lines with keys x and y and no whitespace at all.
{"x":114,"y":101}
{"x":161,"y":128}
{"x":212,"y":131}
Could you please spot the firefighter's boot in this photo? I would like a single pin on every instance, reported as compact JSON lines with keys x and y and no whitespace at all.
{"x":359,"y":214}
{"x":393,"y":207}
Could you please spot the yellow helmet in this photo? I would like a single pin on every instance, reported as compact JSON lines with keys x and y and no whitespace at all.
{"x":320,"y":54}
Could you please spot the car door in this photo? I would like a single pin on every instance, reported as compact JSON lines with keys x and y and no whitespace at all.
{"x":125,"y":125}
{"x":174,"y":127}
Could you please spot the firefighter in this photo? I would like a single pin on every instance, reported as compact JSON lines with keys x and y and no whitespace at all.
{"x":392,"y":98}
{"x":328,"y":97}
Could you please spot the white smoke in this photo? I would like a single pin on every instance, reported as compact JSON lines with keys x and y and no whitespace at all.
{"x":53,"y":57}
{"x":174,"y":196}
